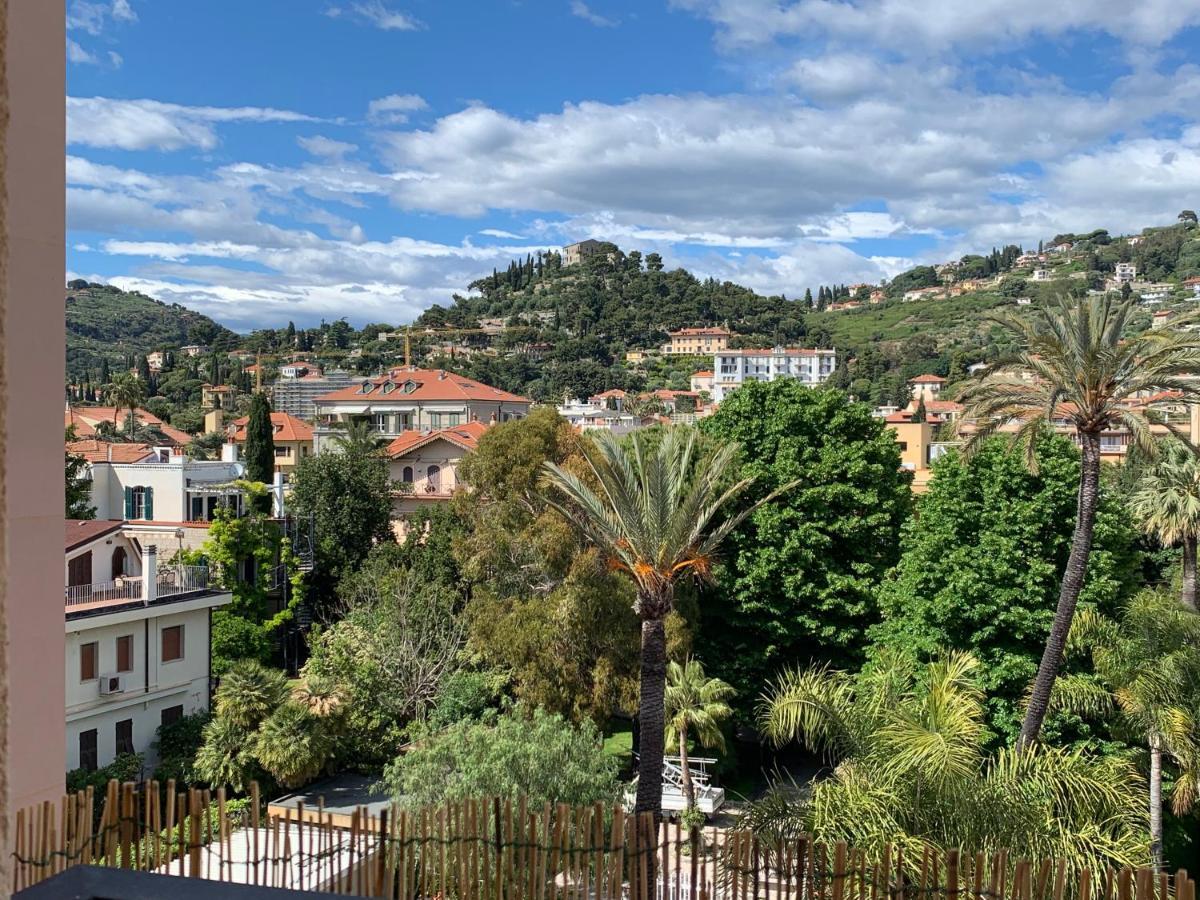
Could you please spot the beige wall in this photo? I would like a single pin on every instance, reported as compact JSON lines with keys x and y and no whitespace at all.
{"x":33,"y":261}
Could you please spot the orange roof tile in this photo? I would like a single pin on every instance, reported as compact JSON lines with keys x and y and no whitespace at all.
{"x":287,"y":428}
{"x":466,"y":436}
{"x":85,"y":419}
{"x":430,"y":385}
{"x":95,"y":451}
{"x":927,"y":379}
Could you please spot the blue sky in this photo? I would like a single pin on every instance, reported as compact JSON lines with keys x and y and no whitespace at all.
{"x":296,"y":160}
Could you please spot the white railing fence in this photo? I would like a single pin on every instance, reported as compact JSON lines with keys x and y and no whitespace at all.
{"x":125,"y":588}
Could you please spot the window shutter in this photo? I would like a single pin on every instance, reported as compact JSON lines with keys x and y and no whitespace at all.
{"x":128,"y":503}
{"x":149,"y":503}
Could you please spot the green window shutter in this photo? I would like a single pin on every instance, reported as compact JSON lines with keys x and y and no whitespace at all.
{"x":128,"y":503}
{"x":149,"y":503}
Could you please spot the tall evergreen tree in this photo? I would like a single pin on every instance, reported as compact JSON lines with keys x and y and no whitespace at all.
{"x":260,"y":441}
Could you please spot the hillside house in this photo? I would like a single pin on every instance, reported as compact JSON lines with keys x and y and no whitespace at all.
{"x":702,"y":381}
{"x":137,"y":642}
{"x":926,"y":387}
{"x":165,"y":488}
{"x":1042,"y":275}
{"x":86,"y":419}
{"x":156,"y":360}
{"x":218,"y":396}
{"x":572,"y":254}
{"x":925,"y":293}
{"x":293,"y":439}
{"x":1124,"y":273}
{"x":424,"y":465}
{"x":193,"y":350}
{"x":697,"y":341}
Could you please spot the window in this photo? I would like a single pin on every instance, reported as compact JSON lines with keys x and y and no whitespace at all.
{"x":79,"y":570}
{"x":120,"y":560}
{"x":434,"y":477}
{"x":172,"y":643}
{"x":171,"y":715}
{"x":407,"y":474}
{"x":139,"y":503}
{"x":283,"y":451}
{"x":125,"y":736}
{"x":379,"y":421}
{"x":88,"y":655}
{"x":125,"y":653}
{"x":87,"y":750}
{"x":903,"y":446}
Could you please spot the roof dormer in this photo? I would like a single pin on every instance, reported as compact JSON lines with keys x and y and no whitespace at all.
{"x":409,"y":386}
{"x":366,"y":387}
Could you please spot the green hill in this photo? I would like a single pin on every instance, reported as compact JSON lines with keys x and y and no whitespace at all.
{"x":105,"y":322}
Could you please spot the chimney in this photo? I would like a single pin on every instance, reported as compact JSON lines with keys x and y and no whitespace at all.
{"x":149,"y":574}
{"x":441,"y":374}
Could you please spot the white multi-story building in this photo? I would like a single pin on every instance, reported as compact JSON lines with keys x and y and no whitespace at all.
{"x":168,"y":488}
{"x":1124,"y":272}
{"x":137,"y":642}
{"x":733,"y":368}
{"x":593,"y":416}
{"x":1041,"y":275}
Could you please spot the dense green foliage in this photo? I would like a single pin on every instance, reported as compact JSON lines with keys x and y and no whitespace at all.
{"x":801,"y":573}
{"x":519,"y":753}
{"x":259,"y":451}
{"x":126,"y":767}
{"x":981,"y":563}
{"x":176,"y":746}
{"x":78,"y":489}
{"x":104,"y":322}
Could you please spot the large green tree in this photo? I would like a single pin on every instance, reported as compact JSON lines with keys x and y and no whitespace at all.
{"x":697,"y":707}
{"x":259,"y":452}
{"x":1166,"y":501}
{"x":654,"y":517}
{"x":126,"y":392}
{"x":78,"y":489}
{"x":980,"y":565}
{"x":801,"y":574}
{"x":1078,"y":361}
{"x":523,"y":752}
{"x":348,"y":495}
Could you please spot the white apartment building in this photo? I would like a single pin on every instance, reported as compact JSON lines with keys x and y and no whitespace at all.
{"x":168,"y":488}
{"x":1041,"y":275}
{"x":137,"y":642}
{"x":733,"y":368}
{"x":593,"y":416}
{"x":1124,"y":272}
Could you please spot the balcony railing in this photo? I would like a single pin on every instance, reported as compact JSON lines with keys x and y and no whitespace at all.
{"x":182,"y":579}
{"x":120,"y":590}
{"x":425,"y":487}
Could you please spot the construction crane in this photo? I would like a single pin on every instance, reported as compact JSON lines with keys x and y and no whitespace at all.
{"x":408,"y":332}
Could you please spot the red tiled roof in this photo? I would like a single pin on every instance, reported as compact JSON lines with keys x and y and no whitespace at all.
{"x":287,"y":428}
{"x":431,"y":385}
{"x":703,"y":373}
{"x":692,"y":332}
{"x":81,"y":531}
{"x":85,"y":418}
{"x":943,"y":406}
{"x":102,"y":451}
{"x":927,"y":379}
{"x":466,"y":436}
{"x":611,"y":392}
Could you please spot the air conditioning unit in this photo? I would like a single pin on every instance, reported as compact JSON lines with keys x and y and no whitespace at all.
{"x":112,"y":684}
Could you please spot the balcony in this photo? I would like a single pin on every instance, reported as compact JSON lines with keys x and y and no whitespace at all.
{"x":429,"y":488}
{"x":171,"y":582}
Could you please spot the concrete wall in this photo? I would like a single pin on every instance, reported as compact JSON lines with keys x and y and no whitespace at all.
{"x":31,"y":371}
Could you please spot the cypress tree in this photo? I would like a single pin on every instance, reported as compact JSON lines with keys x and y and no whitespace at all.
{"x":260,"y":441}
{"x":808,"y":301}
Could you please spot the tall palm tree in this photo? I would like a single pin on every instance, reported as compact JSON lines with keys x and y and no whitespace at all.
{"x":359,"y":438}
{"x":126,"y":392}
{"x":653,"y":515}
{"x":911,"y":768}
{"x":1167,"y":503}
{"x":1147,"y":664}
{"x":1077,"y":363}
{"x":695,"y":705}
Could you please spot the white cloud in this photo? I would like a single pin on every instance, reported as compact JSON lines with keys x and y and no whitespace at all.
{"x":115,"y":59}
{"x":327,"y":148}
{"x":394,"y":108}
{"x":76,"y":54}
{"x":375,"y":13}
{"x":935,"y":25}
{"x":93,"y":16}
{"x":583,"y":11}
{"x":150,"y":124}
{"x":498,"y":233}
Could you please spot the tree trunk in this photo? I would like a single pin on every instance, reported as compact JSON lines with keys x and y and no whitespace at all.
{"x":1156,"y":836}
{"x":651,"y":717}
{"x":1072,"y":583}
{"x":689,"y":792}
{"x":1189,"y":572}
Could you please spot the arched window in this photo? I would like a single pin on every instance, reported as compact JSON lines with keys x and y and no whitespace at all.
{"x":434,"y":477}
{"x":407,"y":475}
{"x":119,"y":562}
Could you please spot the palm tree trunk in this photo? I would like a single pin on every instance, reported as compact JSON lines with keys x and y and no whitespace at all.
{"x":1189,"y":572}
{"x":651,"y":717}
{"x":1156,"y":835}
{"x":1068,"y":596}
{"x":689,"y":792}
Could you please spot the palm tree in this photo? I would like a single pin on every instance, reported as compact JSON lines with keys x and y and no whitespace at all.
{"x":694,"y":704}
{"x":907,"y":744}
{"x":651,"y":513}
{"x":1147,"y":666}
{"x":359,"y":438}
{"x":249,"y":692}
{"x":293,"y":744}
{"x":1167,"y":502}
{"x":1077,"y":363}
{"x":126,"y":392}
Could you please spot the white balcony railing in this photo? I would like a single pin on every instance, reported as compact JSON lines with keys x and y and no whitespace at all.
{"x":182,"y":579}
{"x":119,"y":590}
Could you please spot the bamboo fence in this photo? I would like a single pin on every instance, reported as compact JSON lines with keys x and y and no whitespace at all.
{"x":504,"y":850}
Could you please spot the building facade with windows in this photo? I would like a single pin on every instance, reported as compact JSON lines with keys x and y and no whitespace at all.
{"x":697,"y":341}
{"x":424,"y":466}
{"x":167,"y":488}
{"x":412,"y":399}
{"x":293,"y":440}
{"x":733,"y":368}
{"x":137,"y":642}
